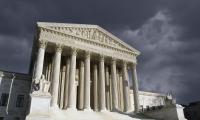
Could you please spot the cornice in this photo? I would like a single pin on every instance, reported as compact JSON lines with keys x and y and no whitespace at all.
{"x":117,"y":39}
{"x":86,"y":40}
{"x":50,"y":26}
{"x":18,"y":76}
{"x":54,"y":24}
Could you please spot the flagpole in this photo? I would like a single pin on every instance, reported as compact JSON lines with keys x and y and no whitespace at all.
{"x":10,"y":93}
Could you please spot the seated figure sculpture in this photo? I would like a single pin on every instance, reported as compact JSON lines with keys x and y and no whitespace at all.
{"x":41,"y":85}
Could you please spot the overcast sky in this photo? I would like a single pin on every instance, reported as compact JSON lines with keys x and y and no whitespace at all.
{"x":167,"y":32}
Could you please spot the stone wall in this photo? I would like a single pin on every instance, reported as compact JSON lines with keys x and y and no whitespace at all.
{"x":14,"y":85}
{"x":173,"y":112}
{"x":148,"y":100}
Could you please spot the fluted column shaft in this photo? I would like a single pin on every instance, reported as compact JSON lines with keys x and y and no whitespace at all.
{"x":62,"y":87}
{"x":135,"y":89}
{"x":87,"y":82}
{"x":114,"y":85}
{"x":55,"y":76}
{"x":125,"y":87}
{"x":72,"y":84}
{"x":102,"y":84}
{"x":81,"y":86}
{"x":40,"y":60}
{"x":107,"y":88}
{"x":121,"y":92}
{"x":95,"y":88}
{"x":66,"y":82}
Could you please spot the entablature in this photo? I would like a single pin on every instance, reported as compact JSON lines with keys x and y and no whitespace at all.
{"x":87,"y":37}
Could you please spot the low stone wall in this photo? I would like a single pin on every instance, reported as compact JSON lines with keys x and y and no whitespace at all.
{"x":174,"y":112}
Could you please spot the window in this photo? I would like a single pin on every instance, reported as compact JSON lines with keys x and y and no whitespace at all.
{"x":17,"y":118}
{"x":1,"y":118}
{"x":4,"y":99}
{"x":20,"y":101}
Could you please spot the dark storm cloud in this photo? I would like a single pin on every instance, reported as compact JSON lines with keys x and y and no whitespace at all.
{"x":18,"y":18}
{"x":186,"y":14}
{"x":168,"y":62}
{"x":166,"y":32}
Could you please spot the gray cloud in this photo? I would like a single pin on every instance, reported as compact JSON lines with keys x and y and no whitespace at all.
{"x":164,"y":65}
{"x":15,"y":53}
{"x":166,"y":32}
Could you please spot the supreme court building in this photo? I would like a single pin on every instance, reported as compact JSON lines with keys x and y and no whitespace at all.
{"x":78,"y":72}
{"x":86,"y":66}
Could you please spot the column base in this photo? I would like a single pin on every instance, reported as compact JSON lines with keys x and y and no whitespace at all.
{"x":104,"y":110}
{"x":71,"y":109}
{"x":87,"y":109}
{"x":96,"y":110}
{"x":115,"y":110}
{"x":136,"y":111}
{"x":54,"y":107}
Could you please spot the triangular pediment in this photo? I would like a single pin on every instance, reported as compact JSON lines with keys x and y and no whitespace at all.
{"x":90,"y":32}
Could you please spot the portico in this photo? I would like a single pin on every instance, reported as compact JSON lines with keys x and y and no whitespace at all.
{"x":87,"y":67}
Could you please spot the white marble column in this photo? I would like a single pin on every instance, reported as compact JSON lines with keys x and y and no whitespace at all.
{"x":102,"y":84}
{"x":135,"y":88}
{"x":111,"y":97}
{"x":118,"y":90}
{"x":95,"y":87}
{"x":66,"y":82}
{"x":107,"y":89}
{"x":72,"y":84}
{"x":62,"y":87}
{"x":125,"y":87}
{"x":121,"y":91}
{"x":114,"y":85}
{"x":49,"y":72}
{"x":55,"y":76}
{"x":87,"y":82}
{"x":40,"y":60}
{"x":81,"y":86}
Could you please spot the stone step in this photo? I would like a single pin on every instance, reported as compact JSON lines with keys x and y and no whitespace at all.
{"x":87,"y":115}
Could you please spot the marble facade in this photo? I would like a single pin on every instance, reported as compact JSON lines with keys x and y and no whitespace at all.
{"x":86,"y":66}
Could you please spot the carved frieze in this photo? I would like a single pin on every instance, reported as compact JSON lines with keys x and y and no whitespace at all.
{"x":89,"y":39}
{"x":93,"y":34}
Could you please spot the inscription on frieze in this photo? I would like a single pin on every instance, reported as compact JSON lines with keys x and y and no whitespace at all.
{"x":91,"y":33}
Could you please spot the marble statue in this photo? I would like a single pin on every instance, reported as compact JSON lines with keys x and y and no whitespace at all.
{"x":41,"y":85}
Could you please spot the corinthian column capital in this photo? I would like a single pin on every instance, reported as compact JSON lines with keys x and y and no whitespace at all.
{"x":113,"y":60}
{"x":134,"y":65}
{"x":74,"y":51}
{"x":101,"y":57}
{"x":124,"y":64}
{"x":42,"y":44}
{"x":59,"y":47}
{"x":87,"y":54}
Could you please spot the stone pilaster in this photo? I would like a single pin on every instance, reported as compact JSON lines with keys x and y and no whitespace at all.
{"x":125,"y":87}
{"x":114,"y":85}
{"x":102,"y":84}
{"x":72,"y":84}
{"x":55,"y":76}
{"x":95,"y":87}
{"x":135,"y":88}
{"x":81,"y":86}
{"x":40,"y":60}
{"x":87,"y":82}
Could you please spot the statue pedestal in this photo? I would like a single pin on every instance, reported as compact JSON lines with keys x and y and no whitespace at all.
{"x":40,"y":106}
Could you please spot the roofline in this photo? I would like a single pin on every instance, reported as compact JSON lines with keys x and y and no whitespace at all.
{"x":43,"y":24}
